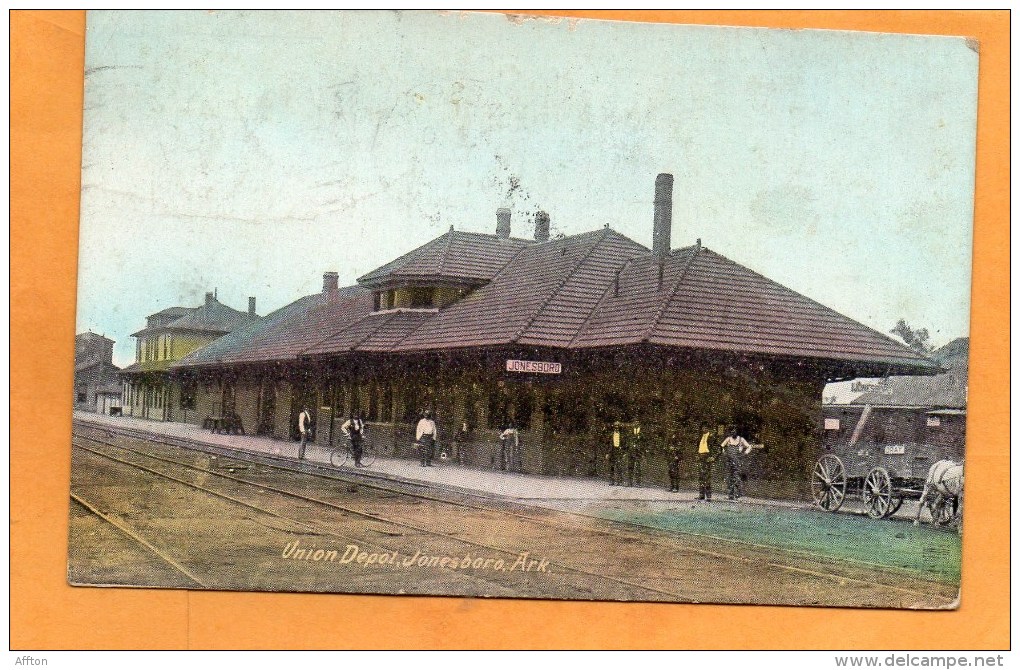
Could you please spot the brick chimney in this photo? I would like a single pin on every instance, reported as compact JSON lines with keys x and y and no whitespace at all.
{"x":209,"y":297}
{"x":663,"y":227}
{"x":251,"y":306}
{"x":541,"y":226}
{"x":502,"y":223}
{"x":330,"y":281}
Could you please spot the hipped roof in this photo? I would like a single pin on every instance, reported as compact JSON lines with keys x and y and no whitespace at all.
{"x":212,"y":317}
{"x":592,"y":290}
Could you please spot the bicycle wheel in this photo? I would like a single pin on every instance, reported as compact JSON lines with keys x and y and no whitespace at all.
{"x":338,"y":457}
{"x":368,"y":455}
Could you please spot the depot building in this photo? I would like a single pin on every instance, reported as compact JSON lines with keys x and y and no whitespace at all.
{"x":560,"y":337}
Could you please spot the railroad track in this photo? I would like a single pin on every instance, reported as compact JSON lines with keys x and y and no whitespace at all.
{"x":134,"y":535}
{"x":791,"y":561}
{"x":565,"y":576}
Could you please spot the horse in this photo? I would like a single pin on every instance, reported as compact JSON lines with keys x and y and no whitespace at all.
{"x":943,"y":486}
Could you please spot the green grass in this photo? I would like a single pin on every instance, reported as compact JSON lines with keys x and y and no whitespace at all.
{"x":932,"y":553}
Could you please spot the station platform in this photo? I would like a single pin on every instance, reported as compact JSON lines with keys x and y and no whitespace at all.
{"x":444,"y":474}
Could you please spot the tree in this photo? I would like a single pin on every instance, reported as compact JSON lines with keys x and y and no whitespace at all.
{"x":915,"y":339}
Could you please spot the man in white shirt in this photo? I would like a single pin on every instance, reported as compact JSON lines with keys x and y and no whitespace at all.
{"x":304,"y":424}
{"x":509,"y":449}
{"x":427,"y":436}
{"x":735,"y":447}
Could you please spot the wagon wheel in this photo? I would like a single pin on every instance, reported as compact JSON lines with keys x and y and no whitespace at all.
{"x":941,"y":509}
{"x":828,"y":483}
{"x":878,"y":495}
{"x":897,"y":503}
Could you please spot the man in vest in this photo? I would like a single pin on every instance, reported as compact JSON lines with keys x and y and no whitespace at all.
{"x":706,"y":458}
{"x":354,"y":428}
{"x":304,"y":424}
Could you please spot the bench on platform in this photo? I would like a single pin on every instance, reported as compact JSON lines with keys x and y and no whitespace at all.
{"x":228,"y":424}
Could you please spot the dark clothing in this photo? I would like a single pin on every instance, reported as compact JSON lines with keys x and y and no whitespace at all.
{"x":673,"y":465}
{"x":355,"y":428}
{"x":510,"y":451}
{"x":615,"y":468}
{"x":633,"y":470}
{"x":427,"y":447}
{"x":734,"y":480}
{"x":705,"y":462}
{"x":635,"y":455}
{"x":356,"y":448}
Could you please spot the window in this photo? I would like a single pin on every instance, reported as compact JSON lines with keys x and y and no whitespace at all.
{"x":831,"y":424}
{"x":422,"y":296}
{"x":82,"y":396}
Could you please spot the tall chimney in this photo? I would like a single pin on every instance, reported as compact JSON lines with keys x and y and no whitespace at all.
{"x":209,"y":297}
{"x":541,"y":226}
{"x":663,"y":215}
{"x":503,"y":223}
{"x":251,"y":305}
{"x":330,"y":281}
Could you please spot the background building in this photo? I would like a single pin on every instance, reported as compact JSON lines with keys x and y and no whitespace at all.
{"x":929,"y":414}
{"x":96,"y":386}
{"x":168,"y":336}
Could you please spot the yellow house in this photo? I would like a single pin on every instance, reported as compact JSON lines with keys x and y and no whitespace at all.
{"x":168,"y":336}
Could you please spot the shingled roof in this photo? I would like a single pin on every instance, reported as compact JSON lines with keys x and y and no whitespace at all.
{"x":591,"y":290}
{"x":212,"y":317}
{"x":454,"y":256}
{"x":282,"y":334}
{"x":541,"y":298}
{"x":706,"y":301}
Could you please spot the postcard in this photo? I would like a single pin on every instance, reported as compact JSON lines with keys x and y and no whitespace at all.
{"x":489,"y":305}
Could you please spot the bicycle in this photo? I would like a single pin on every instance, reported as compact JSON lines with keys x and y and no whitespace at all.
{"x":342,"y":453}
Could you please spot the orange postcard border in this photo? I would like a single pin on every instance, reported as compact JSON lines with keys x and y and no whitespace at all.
{"x":46,"y":60}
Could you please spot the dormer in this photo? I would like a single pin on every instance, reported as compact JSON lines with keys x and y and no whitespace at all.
{"x":419,"y":295}
{"x":444,"y":270}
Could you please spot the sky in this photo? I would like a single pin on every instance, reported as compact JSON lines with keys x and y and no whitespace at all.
{"x":249,"y":152}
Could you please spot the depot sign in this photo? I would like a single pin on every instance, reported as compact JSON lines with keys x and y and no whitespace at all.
{"x":541,"y":367}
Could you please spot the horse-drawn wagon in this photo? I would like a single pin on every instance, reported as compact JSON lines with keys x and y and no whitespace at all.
{"x":883,"y":476}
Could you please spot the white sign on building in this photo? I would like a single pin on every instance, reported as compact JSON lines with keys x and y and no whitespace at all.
{"x":542,"y":367}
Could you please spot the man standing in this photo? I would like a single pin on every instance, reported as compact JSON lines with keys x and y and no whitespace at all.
{"x":304,"y":424}
{"x":615,"y":457}
{"x":673,"y":456}
{"x":354,"y":428}
{"x":706,"y":457}
{"x":734,"y":447}
{"x":509,"y":449}
{"x":427,"y":436}
{"x":635,"y":453}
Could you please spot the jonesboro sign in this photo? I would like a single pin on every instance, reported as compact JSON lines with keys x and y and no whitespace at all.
{"x":542,"y":367}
